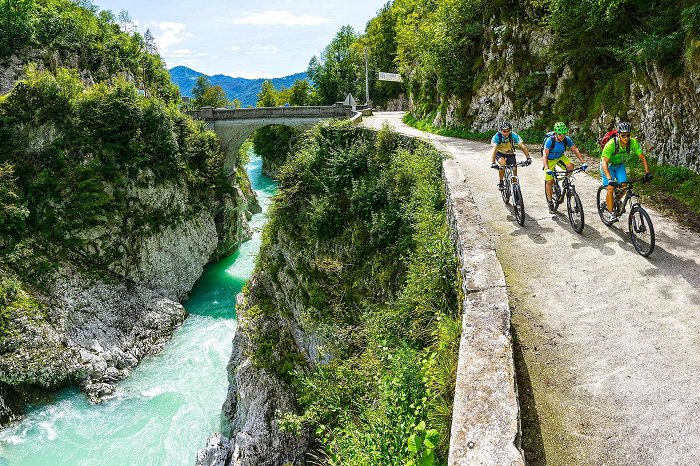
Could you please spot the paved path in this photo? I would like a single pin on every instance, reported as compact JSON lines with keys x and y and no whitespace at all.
{"x":608,"y":341}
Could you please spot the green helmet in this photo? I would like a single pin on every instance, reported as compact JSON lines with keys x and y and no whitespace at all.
{"x":560,"y":128}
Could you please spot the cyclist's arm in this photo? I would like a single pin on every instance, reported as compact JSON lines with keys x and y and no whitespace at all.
{"x":493,"y":153}
{"x":523,"y":148}
{"x":606,"y":170}
{"x":575,"y":150}
{"x":643,"y":158}
{"x":545,"y":157}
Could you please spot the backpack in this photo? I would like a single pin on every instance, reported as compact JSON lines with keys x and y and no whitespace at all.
{"x":604,"y":140}
{"x":510,"y":138}
{"x":553,"y":136}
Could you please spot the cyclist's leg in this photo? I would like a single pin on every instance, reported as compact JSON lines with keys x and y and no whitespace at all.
{"x":606,"y":183}
{"x":501,"y":159}
{"x":567,"y":162}
{"x":510,"y":160}
{"x":549,"y":179}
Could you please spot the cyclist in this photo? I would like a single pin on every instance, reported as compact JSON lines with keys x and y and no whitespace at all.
{"x":503,"y":144}
{"x":612,"y":162}
{"x":553,"y":153}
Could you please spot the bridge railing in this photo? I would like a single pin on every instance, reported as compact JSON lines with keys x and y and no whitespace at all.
{"x":210,"y":113}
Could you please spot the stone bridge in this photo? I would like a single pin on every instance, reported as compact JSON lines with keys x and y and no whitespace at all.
{"x":233,"y":126}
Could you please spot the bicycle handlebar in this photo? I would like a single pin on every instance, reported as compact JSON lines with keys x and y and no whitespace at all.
{"x":518,"y":164}
{"x":556,"y":173}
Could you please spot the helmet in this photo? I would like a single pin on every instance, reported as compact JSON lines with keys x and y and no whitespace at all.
{"x":505,"y":125}
{"x":624,"y":127}
{"x":560,"y":128}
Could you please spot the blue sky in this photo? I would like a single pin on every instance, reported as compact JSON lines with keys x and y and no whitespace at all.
{"x":249,"y":39}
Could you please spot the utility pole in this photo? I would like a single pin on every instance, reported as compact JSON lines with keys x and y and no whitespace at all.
{"x":366,"y":79}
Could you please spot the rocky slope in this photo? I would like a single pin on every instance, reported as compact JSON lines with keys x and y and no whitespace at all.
{"x":93,"y":328}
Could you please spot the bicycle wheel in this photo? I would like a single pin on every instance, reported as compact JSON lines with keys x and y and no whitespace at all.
{"x":575,"y":211}
{"x":641,"y":230}
{"x":602,"y":205}
{"x":556,"y":195}
{"x":505,"y":194}
{"x":518,"y":205}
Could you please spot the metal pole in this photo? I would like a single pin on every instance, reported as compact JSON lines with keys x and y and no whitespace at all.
{"x":366,"y":79}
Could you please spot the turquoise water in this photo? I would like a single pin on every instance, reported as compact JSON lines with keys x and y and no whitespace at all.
{"x":167,"y":408}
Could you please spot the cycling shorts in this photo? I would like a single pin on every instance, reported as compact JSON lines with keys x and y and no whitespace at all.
{"x":552,"y":163}
{"x":618,"y":171}
{"x":510,"y":158}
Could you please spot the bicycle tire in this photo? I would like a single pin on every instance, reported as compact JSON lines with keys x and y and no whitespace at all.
{"x":518,"y":205}
{"x":575,"y":211}
{"x":641,"y":230}
{"x":505,"y":194}
{"x":602,"y":206}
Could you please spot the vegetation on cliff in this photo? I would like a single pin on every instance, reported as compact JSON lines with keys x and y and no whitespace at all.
{"x":364,"y":219}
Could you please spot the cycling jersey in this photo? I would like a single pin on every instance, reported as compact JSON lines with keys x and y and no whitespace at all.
{"x":612,"y":157}
{"x":559,"y":147}
{"x":503,"y":143}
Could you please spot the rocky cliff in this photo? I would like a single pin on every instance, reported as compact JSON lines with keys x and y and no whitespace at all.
{"x":520,"y":80}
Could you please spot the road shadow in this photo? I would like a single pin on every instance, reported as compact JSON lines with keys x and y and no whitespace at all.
{"x":531,"y":434}
{"x":532,"y":228}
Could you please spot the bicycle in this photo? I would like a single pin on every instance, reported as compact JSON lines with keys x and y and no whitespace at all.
{"x":510,"y":183}
{"x":574,"y":207}
{"x":639,"y":223}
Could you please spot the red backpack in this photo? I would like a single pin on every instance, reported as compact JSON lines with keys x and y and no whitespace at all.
{"x":610,"y":134}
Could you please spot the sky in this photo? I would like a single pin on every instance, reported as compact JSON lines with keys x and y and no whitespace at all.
{"x":247,"y":39}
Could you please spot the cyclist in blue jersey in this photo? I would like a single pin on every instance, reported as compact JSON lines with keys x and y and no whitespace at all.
{"x":503,"y":144}
{"x":553,"y":153}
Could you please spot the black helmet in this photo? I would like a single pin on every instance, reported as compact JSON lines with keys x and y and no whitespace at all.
{"x":624,"y":127}
{"x":505,"y":125}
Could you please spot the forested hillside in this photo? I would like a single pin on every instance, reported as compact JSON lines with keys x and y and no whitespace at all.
{"x":111,"y":201}
{"x":590,"y":63}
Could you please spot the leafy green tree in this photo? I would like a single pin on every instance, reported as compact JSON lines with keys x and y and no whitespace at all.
{"x":236,"y":103}
{"x":200,"y":87}
{"x":214,"y":96}
{"x":267,"y":97}
{"x":299,"y":92}
{"x":340,"y":69}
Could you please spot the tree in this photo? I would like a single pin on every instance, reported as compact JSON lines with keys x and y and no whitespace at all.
{"x":150,"y":42}
{"x":267,"y":97}
{"x":236,"y":103}
{"x":340,"y":69}
{"x":214,"y":96}
{"x":200,"y":87}
{"x":300,"y":92}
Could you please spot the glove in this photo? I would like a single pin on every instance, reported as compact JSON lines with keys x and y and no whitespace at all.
{"x":584,"y":166}
{"x":550,"y":172}
{"x":494,"y":165}
{"x":528,"y":161}
{"x":648,"y":177}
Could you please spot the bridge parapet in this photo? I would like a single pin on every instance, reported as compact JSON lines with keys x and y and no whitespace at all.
{"x":214,"y":114}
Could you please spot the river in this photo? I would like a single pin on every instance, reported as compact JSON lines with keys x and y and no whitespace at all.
{"x":167,"y":408}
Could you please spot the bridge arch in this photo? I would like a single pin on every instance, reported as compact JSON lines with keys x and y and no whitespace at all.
{"x":234,"y":126}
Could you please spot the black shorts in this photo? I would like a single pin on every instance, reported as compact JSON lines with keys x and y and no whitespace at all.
{"x":510,"y":158}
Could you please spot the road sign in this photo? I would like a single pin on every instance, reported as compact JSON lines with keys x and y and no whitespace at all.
{"x":395,"y":77}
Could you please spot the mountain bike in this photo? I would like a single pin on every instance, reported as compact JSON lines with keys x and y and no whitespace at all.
{"x":511,"y":185}
{"x":639,"y":223}
{"x":574,"y":208}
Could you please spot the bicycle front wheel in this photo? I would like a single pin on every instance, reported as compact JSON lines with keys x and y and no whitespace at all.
{"x":505,"y":194}
{"x":575,"y":210}
{"x":602,"y":205}
{"x":641,"y":230}
{"x":518,"y":205}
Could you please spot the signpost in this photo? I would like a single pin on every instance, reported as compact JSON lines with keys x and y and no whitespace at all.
{"x":395,"y":77}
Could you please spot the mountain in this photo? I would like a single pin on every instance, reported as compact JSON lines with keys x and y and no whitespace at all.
{"x":245,"y":90}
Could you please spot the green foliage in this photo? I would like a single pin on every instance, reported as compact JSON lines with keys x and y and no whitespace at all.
{"x":366,"y":215}
{"x":340,"y":68}
{"x":206,"y":95}
{"x":267,"y":96}
{"x":76,"y":153}
{"x":272,"y":143}
{"x":299,"y":94}
{"x":77,"y":33}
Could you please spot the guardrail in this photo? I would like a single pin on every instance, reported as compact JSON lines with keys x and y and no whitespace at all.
{"x":213,"y":114}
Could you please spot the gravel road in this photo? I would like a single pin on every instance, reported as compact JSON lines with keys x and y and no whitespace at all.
{"x":607,"y":341}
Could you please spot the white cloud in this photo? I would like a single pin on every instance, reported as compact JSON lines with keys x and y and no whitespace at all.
{"x":255,"y":50}
{"x":280,"y":18}
{"x":167,"y":34}
{"x":185,"y":53}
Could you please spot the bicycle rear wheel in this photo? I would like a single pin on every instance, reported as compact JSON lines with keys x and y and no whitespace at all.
{"x":518,"y":205}
{"x":602,"y":205}
{"x":641,"y":230}
{"x":575,"y":211}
